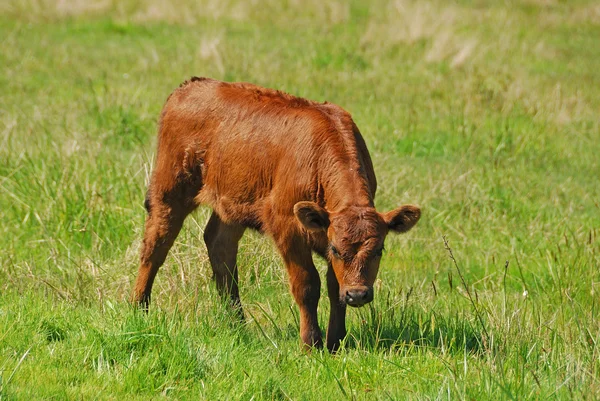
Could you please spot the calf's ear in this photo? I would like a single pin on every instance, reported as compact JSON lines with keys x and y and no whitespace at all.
{"x":403,"y":218}
{"x":312,"y":216}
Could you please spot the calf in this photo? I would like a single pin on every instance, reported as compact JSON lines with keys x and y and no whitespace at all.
{"x":296,"y":170}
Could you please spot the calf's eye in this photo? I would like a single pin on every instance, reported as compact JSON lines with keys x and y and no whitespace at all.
{"x":334,"y":251}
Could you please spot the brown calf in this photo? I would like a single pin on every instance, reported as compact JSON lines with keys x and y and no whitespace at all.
{"x":294,"y":169}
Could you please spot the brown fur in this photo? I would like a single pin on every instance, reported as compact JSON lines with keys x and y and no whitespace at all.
{"x":294,"y":169}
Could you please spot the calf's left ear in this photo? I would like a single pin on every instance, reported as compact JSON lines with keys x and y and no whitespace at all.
{"x":403,"y":218}
{"x":312,"y":216}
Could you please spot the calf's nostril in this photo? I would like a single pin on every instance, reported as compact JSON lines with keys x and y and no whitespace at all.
{"x":358,"y":297}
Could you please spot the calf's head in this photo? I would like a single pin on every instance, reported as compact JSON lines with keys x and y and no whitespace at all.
{"x":356,"y":235}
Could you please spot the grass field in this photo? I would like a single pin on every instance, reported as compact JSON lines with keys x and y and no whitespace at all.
{"x":485,"y":113}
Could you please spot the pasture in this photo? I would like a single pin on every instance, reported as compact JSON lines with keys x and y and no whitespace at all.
{"x":485,"y":113}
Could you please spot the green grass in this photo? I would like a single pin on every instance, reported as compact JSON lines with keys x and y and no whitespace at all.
{"x":485,"y":113}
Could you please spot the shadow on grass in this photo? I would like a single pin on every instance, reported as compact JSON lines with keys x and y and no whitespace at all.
{"x":410,"y":328}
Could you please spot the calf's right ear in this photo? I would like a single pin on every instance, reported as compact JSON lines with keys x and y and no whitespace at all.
{"x":403,"y":218}
{"x":312,"y":216}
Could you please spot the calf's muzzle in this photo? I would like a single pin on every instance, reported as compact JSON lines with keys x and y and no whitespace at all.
{"x":358,"y":296}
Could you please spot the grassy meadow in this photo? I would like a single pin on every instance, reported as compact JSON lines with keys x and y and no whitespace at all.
{"x":485,"y":113}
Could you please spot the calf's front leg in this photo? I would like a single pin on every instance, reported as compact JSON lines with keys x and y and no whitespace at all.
{"x":336,"y":330}
{"x":305,"y":286}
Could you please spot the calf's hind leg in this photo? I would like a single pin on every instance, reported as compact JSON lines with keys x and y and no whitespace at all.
{"x":167,"y":209}
{"x":222,"y":243}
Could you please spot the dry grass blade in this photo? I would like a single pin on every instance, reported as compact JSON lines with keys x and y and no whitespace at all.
{"x":464,"y":282}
